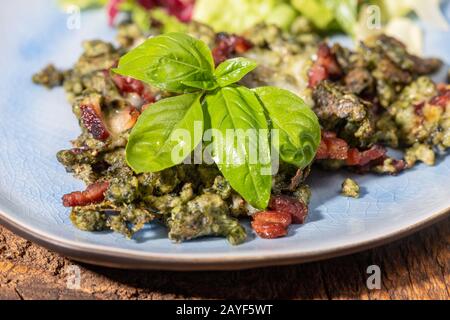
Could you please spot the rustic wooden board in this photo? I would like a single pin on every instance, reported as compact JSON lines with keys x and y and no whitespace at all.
{"x":417,"y":267}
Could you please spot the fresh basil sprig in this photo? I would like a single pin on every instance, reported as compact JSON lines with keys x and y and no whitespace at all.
{"x":178,"y":63}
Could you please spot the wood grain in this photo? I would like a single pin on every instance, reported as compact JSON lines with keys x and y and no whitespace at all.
{"x":417,"y":267}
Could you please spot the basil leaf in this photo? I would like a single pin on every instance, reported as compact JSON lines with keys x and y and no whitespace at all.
{"x":159,"y":130}
{"x":299,"y":128}
{"x":237,"y":109}
{"x":233,"y":70}
{"x":171,"y":62}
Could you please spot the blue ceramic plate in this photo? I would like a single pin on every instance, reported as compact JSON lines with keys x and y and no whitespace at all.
{"x":36,"y":123}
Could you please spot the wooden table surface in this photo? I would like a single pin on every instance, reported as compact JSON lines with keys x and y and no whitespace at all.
{"x":416,"y":267}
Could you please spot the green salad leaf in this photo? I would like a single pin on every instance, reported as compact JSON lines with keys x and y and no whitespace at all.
{"x":168,"y":131}
{"x":328,"y":14}
{"x":143,"y":17}
{"x":169,"y":23}
{"x":299,"y":129}
{"x":159,"y":133}
{"x":237,"y":110}
{"x":83,"y":4}
{"x":283,"y":15}
{"x":346,"y":12}
{"x":429,"y":11}
{"x":139,"y":15}
{"x":316,"y":11}
{"x":173,"y":62}
{"x":233,"y":15}
{"x":233,"y":70}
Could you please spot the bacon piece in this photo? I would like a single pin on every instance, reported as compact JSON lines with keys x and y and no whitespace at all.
{"x":316,"y":74}
{"x":284,"y":218}
{"x":93,"y":122}
{"x":442,"y":99}
{"x":296,"y":208}
{"x":130,"y":85}
{"x":399,"y":166}
{"x":269,"y":230}
{"x":332,"y":147}
{"x":361,"y":158}
{"x":229,"y":45}
{"x":322,"y":151}
{"x":94,"y":193}
{"x":354,"y":157}
{"x":335,"y":148}
{"x":127,"y":84}
{"x":271,"y":224}
{"x":325,"y":66}
{"x":242,"y":45}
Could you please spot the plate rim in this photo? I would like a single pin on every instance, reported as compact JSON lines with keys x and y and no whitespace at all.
{"x":129,"y":259}
{"x":132,"y":259}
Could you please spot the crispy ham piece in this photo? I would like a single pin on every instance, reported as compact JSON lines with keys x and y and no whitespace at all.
{"x":334,"y":148}
{"x":294,"y":207}
{"x":284,"y":218}
{"x":286,"y":210}
{"x":228,"y":45}
{"x":130,"y":85}
{"x":92,"y":119}
{"x":361,"y":158}
{"x":325,"y":67}
{"x":271,"y":224}
{"x":269,"y":230}
{"x":94,"y":193}
{"x":442,"y":99}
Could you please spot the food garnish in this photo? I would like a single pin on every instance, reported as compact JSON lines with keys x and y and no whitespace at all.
{"x":178,"y":63}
